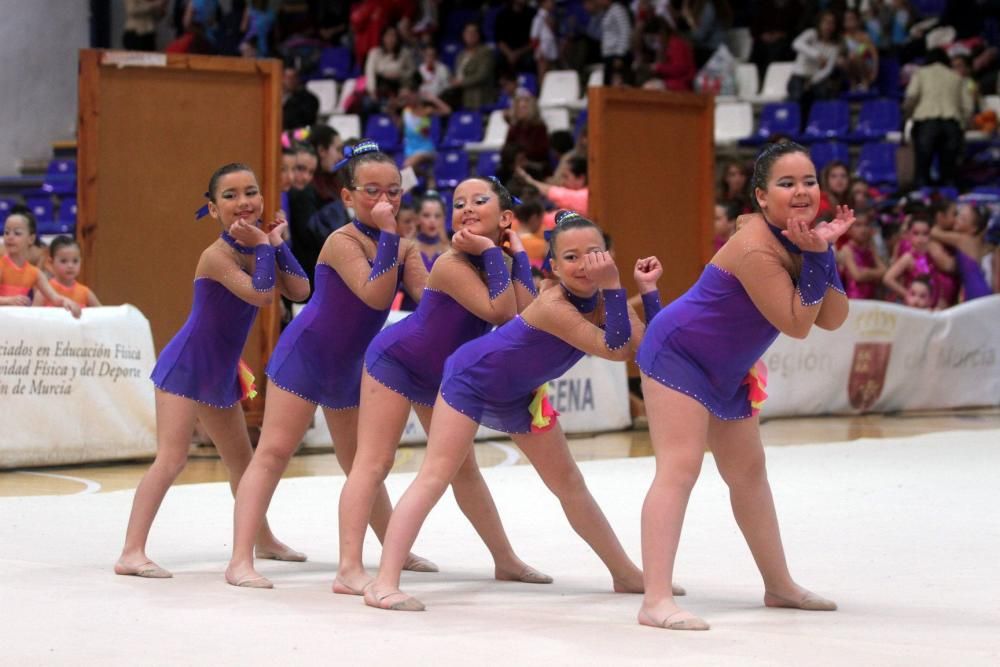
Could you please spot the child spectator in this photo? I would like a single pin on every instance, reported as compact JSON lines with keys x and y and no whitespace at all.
{"x":406,"y":221}
{"x":65,"y":268}
{"x":434,"y":74}
{"x":19,"y":279}
{"x":919,"y":294}
{"x":530,"y":218}
{"x":912,"y":262}
{"x":835,"y":184}
{"x":418,"y":144}
{"x":431,"y":234}
{"x":861,"y":267}
{"x":860,"y":53}
{"x":733,"y":185}
{"x":724,"y":223}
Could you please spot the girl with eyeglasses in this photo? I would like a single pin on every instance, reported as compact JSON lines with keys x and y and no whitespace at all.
{"x":472,"y":288}
{"x":498,"y":380}
{"x":703,"y":385}
{"x":318,"y":359}
{"x":199,"y":373}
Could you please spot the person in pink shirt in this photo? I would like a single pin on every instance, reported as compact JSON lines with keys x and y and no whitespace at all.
{"x":572,"y":195}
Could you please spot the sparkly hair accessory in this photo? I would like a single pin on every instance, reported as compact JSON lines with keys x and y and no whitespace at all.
{"x":289,"y":137}
{"x":203,"y":211}
{"x":514,"y":200}
{"x":360,"y":148}
{"x":565,"y":216}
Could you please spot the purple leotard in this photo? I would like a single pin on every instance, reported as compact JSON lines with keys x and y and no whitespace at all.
{"x":974,"y":283}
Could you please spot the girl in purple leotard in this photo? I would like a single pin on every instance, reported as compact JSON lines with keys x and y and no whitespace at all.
{"x":197,"y":374}
{"x":495,"y":380}
{"x":702,"y":384}
{"x":319,"y":357}
{"x":470,"y":290}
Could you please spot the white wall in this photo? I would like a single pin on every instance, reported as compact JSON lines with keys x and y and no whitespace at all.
{"x":39,"y":41}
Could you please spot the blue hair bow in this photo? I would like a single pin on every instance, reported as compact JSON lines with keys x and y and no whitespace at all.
{"x":360,"y":148}
{"x":516,"y":201}
{"x":203,"y":211}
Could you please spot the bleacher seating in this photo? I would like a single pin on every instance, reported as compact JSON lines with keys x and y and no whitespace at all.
{"x":876,"y":119}
{"x":529,"y":82}
{"x":560,"y":88}
{"x":556,"y":118}
{"x":747,"y":81}
{"x":733,"y":121}
{"x":740,"y":43}
{"x":451,"y":168}
{"x":488,"y":163}
{"x":496,"y":133}
{"x":877,"y":163}
{"x":824,"y":152}
{"x":828,"y":119}
{"x":346,"y":93}
{"x":463,"y":127}
{"x":348,"y":126}
{"x":325,"y":91}
{"x":776,"y":119}
{"x":382,"y":130}
{"x":775,"y":86}
{"x":335,"y":63}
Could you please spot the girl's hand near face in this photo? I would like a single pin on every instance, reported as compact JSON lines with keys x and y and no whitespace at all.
{"x":807,"y":240}
{"x":510,"y":241}
{"x":384,"y":217}
{"x":472,"y":244}
{"x":601,"y":268}
{"x":648,"y":271}
{"x":248,"y":234}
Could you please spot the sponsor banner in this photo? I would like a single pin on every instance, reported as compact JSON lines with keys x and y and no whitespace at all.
{"x":73,"y":391}
{"x":592,"y":396}
{"x":888,"y":357}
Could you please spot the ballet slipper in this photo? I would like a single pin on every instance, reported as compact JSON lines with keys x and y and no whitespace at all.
{"x":679,"y":620}
{"x":528,"y":575}
{"x":148,"y":570}
{"x":342,"y":588}
{"x":808,"y":602}
{"x":251,"y":582}
{"x":285,"y":554}
{"x":409,"y":603}
{"x":419,"y":564}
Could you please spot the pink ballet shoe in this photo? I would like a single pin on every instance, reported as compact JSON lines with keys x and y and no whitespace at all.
{"x":808,"y":602}
{"x":528,"y":575}
{"x":286,"y":554}
{"x":342,"y":588}
{"x":679,"y":620}
{"x":409,"y":603}
{"x":251,"y":582}
{"x":418,"y":564}
{"x":148,"y":570}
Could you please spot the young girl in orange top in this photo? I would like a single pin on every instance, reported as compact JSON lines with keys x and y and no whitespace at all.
{"x":65,"y":268}
{"x":18,"y":277}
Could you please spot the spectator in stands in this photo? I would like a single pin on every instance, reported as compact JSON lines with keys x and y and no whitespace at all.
{"x":434,"y":74}
{"x":473,"y":83}
{"x":835,"y":189}
{"x":329,"y":148}
{"x":962,"y":64}
{"x":299,"y":107}
{"x":529,"y":225}
{"x":413,"y":112}
{"x":708,"y":21}
{"x":141,"y":19}
{"x":724,"y":223}
{"x":920,"y":293}
{"x":513,"y":34}
{"x":775,"y":24}
{"x":389,"y":66}
{"x":861,"y":267}
{"x":432,"y":235}
{"x":528,"y":130}
{"x":616,"y":42}
{"x":815,"y":75}
{"x":19,"y":278}
{"x":545,"y":48}
{"x":287,"y":167}
{"x":860,"y":53}
{"x":65,"y":268}
{"x":940,"y":105}
{"x":369,"y":19}
{"x":913,"y":262}
{"x":256,"y":24}
{"x":306,"y":162}
{"x":734,"y":185}
{"x":672,"y":65}
{"x":573,"y":194}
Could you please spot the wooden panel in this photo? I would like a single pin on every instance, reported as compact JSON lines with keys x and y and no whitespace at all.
{"x":150,"y":138}
{"x":651,"y":168}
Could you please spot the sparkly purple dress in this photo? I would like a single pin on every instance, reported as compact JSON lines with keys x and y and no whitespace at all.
{"x":492,"y":379}
{"x":409,"y":357}
{"x":200,"y":362}
{"x":974,"y":283}
{"x":704,"y":343}
{"x":319,"y":356}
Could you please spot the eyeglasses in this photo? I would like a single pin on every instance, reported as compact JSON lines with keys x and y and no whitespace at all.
{"x":374,"y":192}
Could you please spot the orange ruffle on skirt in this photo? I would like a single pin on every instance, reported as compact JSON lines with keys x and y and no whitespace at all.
{"x":543,"y":415}
{"x":247,"y":387}
{"x":756,"y":379}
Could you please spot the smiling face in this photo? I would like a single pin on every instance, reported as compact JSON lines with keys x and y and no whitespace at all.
{"x":236,"y":197}
{"x":477,"y":208}
{"x":66,"y":264}
{"x":17,"y":236}
{"x":571,"y":246}
{"x":792,"y":190}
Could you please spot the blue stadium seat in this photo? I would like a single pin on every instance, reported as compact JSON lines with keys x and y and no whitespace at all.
{"x":448,"y":53}
{"x":5,"y":206}
{"x":888,"y":80}
{"x":488,"y":163}
{"x":335,"y":63}
{"x":382,"y":130}
{"x":776,"y":119}
{"x":876,"y":119}
{"x":580,"y":123}
{"x":451,"y":168}
{"x":877,"y":163}
{"x":463,"y":127}
{"x":824,"y":152}
{"x":828,"y":119}
{"x":455,"y":20}
{"x":929,"y":8}
{"x":529,"y":82}
{"x":490,"y":23}
{"x":60,"y":177}
{"x":987,"y":190}
{"x":67,"y":211}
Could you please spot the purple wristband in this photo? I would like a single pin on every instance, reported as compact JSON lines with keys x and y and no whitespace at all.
{"x":617,"y":328}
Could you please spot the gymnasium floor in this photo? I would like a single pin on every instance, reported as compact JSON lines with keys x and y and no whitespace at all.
{"x":894,"y":517}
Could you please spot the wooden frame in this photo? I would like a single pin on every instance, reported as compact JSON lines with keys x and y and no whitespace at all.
{"x":152,"y":129}
{"x":651,"y":169}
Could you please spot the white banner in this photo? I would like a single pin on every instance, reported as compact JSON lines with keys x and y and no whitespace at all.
{"x":888,"y":357}
{"x":73,"y":391}
{"x":592,"y":396}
